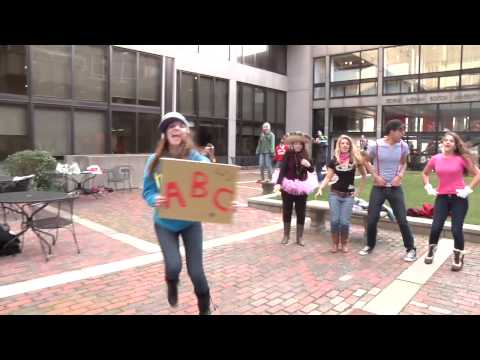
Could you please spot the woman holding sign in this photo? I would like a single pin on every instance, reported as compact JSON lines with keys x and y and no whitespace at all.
{"x":295,"y":183}
{"x":176,"y":142}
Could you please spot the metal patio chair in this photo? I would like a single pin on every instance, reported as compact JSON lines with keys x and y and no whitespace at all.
{"x":120,"y":174}
{"x":61,"y":218}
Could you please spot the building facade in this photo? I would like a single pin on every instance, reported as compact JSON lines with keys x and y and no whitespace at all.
{"x":356,"y":89}
{"x":108,"y":99}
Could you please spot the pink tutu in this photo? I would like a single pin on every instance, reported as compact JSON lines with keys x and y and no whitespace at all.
{"x":297,"y":187}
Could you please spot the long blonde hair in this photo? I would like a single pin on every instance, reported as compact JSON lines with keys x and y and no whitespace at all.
{"x":185,"y":148}
{"x":353,"y":151}
{"x":460,"y":148}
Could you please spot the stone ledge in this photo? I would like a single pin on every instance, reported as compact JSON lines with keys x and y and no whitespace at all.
{"x":420,"y":226}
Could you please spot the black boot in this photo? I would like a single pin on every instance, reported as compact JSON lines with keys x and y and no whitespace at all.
{"x":286,"y":233}
{"x":204,"y":303}
{"x":172,"y":292}
{"x":457,"y":263}
{"x":432,"y":248}
{"x":300,"y":235}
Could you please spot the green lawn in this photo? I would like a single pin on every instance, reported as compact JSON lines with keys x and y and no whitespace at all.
{"x":416,"y":195}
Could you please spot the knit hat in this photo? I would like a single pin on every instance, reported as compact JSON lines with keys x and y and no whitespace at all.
{"x":297,"y":136}
{"x":168,"y":118}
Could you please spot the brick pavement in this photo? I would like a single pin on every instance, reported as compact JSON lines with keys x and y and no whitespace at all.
{"x":255,"y":276}
{"x":137,"y":221}
{"x":451,"y":293}
{"x":95,"y":249}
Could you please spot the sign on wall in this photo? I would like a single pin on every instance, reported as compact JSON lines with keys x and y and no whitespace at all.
{"x":432,"y":98}
{"x":197,"y":191}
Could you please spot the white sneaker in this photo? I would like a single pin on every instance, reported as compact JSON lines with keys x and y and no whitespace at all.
{"x":411,"y":255}
{"x":365,"y":251}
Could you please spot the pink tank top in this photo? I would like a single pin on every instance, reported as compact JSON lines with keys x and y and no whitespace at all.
{"x":449,"y":171}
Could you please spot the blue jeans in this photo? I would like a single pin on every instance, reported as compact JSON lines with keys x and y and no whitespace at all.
{"x":265,"y":162}
{"x":340,"y":213}
{"x":193,"y":242}
{"x":458,"y":208}
{"x":395,"y":197}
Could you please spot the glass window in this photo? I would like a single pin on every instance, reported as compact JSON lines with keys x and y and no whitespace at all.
{"x":369,"y":64}
{"x":150,"y":75}
{"x":13,"y":78}
{"x":449,"y":82}
{"x":215,"y":52}
{"x":247,"y":102}
{"x":186,"y":98}
{"x":471,"y":57}
{"x":454,"y":117}
{"x":89,"y":127}
{"x":205,"y":96}
{"x":90,"y":72}
{"x":436,"y":58}
{"x":13,"y":129}
{"x":278,"y":59}
{"x":52,"y":131}
{"x":409,"y":86}
{"x":51,"y":70}
{"x":147,"y":132}
{"x":271,"y":118}
{"x":360,"y":119}
{"x":169,"y":73}
{"x":352,"y":90}
{"x":417,"y":118}
{"x":319,"y":71}
{"x":428,"y":84}
{"x":236,"y":53}
{"x":214,"y":132}
{"x":124,"y":76}
{"x":123,"y":132}
{"x":318,"y":121}
{"x":319,"y":92}
{"x":346,"y":67}
{"x":337,"y":90}
{"x":475,"y":117}
{"x":400,"y":60}
{"x":259,"y":105}
{"x":368,"y":88}
{"x":470,"y":81}
{"x":281,"y":107}
{"x":392,"y":86}
{"x":221,"y":98}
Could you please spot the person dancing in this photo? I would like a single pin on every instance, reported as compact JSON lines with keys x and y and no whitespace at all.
{"x":344,"y":163}
{"x":295,"y":183}
{"x":451,"y":195}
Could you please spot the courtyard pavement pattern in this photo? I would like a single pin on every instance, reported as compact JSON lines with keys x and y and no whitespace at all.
{"x":120,"y":269}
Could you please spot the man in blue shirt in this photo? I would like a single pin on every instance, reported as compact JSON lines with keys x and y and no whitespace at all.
{"x":389,"y":157}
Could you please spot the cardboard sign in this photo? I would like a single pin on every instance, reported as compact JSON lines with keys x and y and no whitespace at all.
{"x":197,"y":191}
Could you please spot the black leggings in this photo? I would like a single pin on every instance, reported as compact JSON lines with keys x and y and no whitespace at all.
{"x":193,"y":242}
{"x":300,"y":207}
{"x":458,"y":208}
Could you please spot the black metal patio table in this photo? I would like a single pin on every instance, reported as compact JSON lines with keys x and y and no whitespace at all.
{"x":20,"y":203}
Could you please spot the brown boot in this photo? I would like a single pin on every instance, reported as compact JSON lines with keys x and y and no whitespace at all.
{"x":300,"y":235}
{"x":286,"y":233}
{"x":335,"y":242}
{"x":344,"y":241}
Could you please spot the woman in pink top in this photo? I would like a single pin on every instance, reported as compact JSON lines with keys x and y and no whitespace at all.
{"x":450,"y":167}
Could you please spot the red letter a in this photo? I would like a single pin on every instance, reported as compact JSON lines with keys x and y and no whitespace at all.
{"x":172,"y":191}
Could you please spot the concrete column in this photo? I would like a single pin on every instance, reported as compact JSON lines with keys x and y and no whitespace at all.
{"x":327,"y":97}
{"x":380,"y":92}
{"x":300,"y":88}
{"x":232,"y":119}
